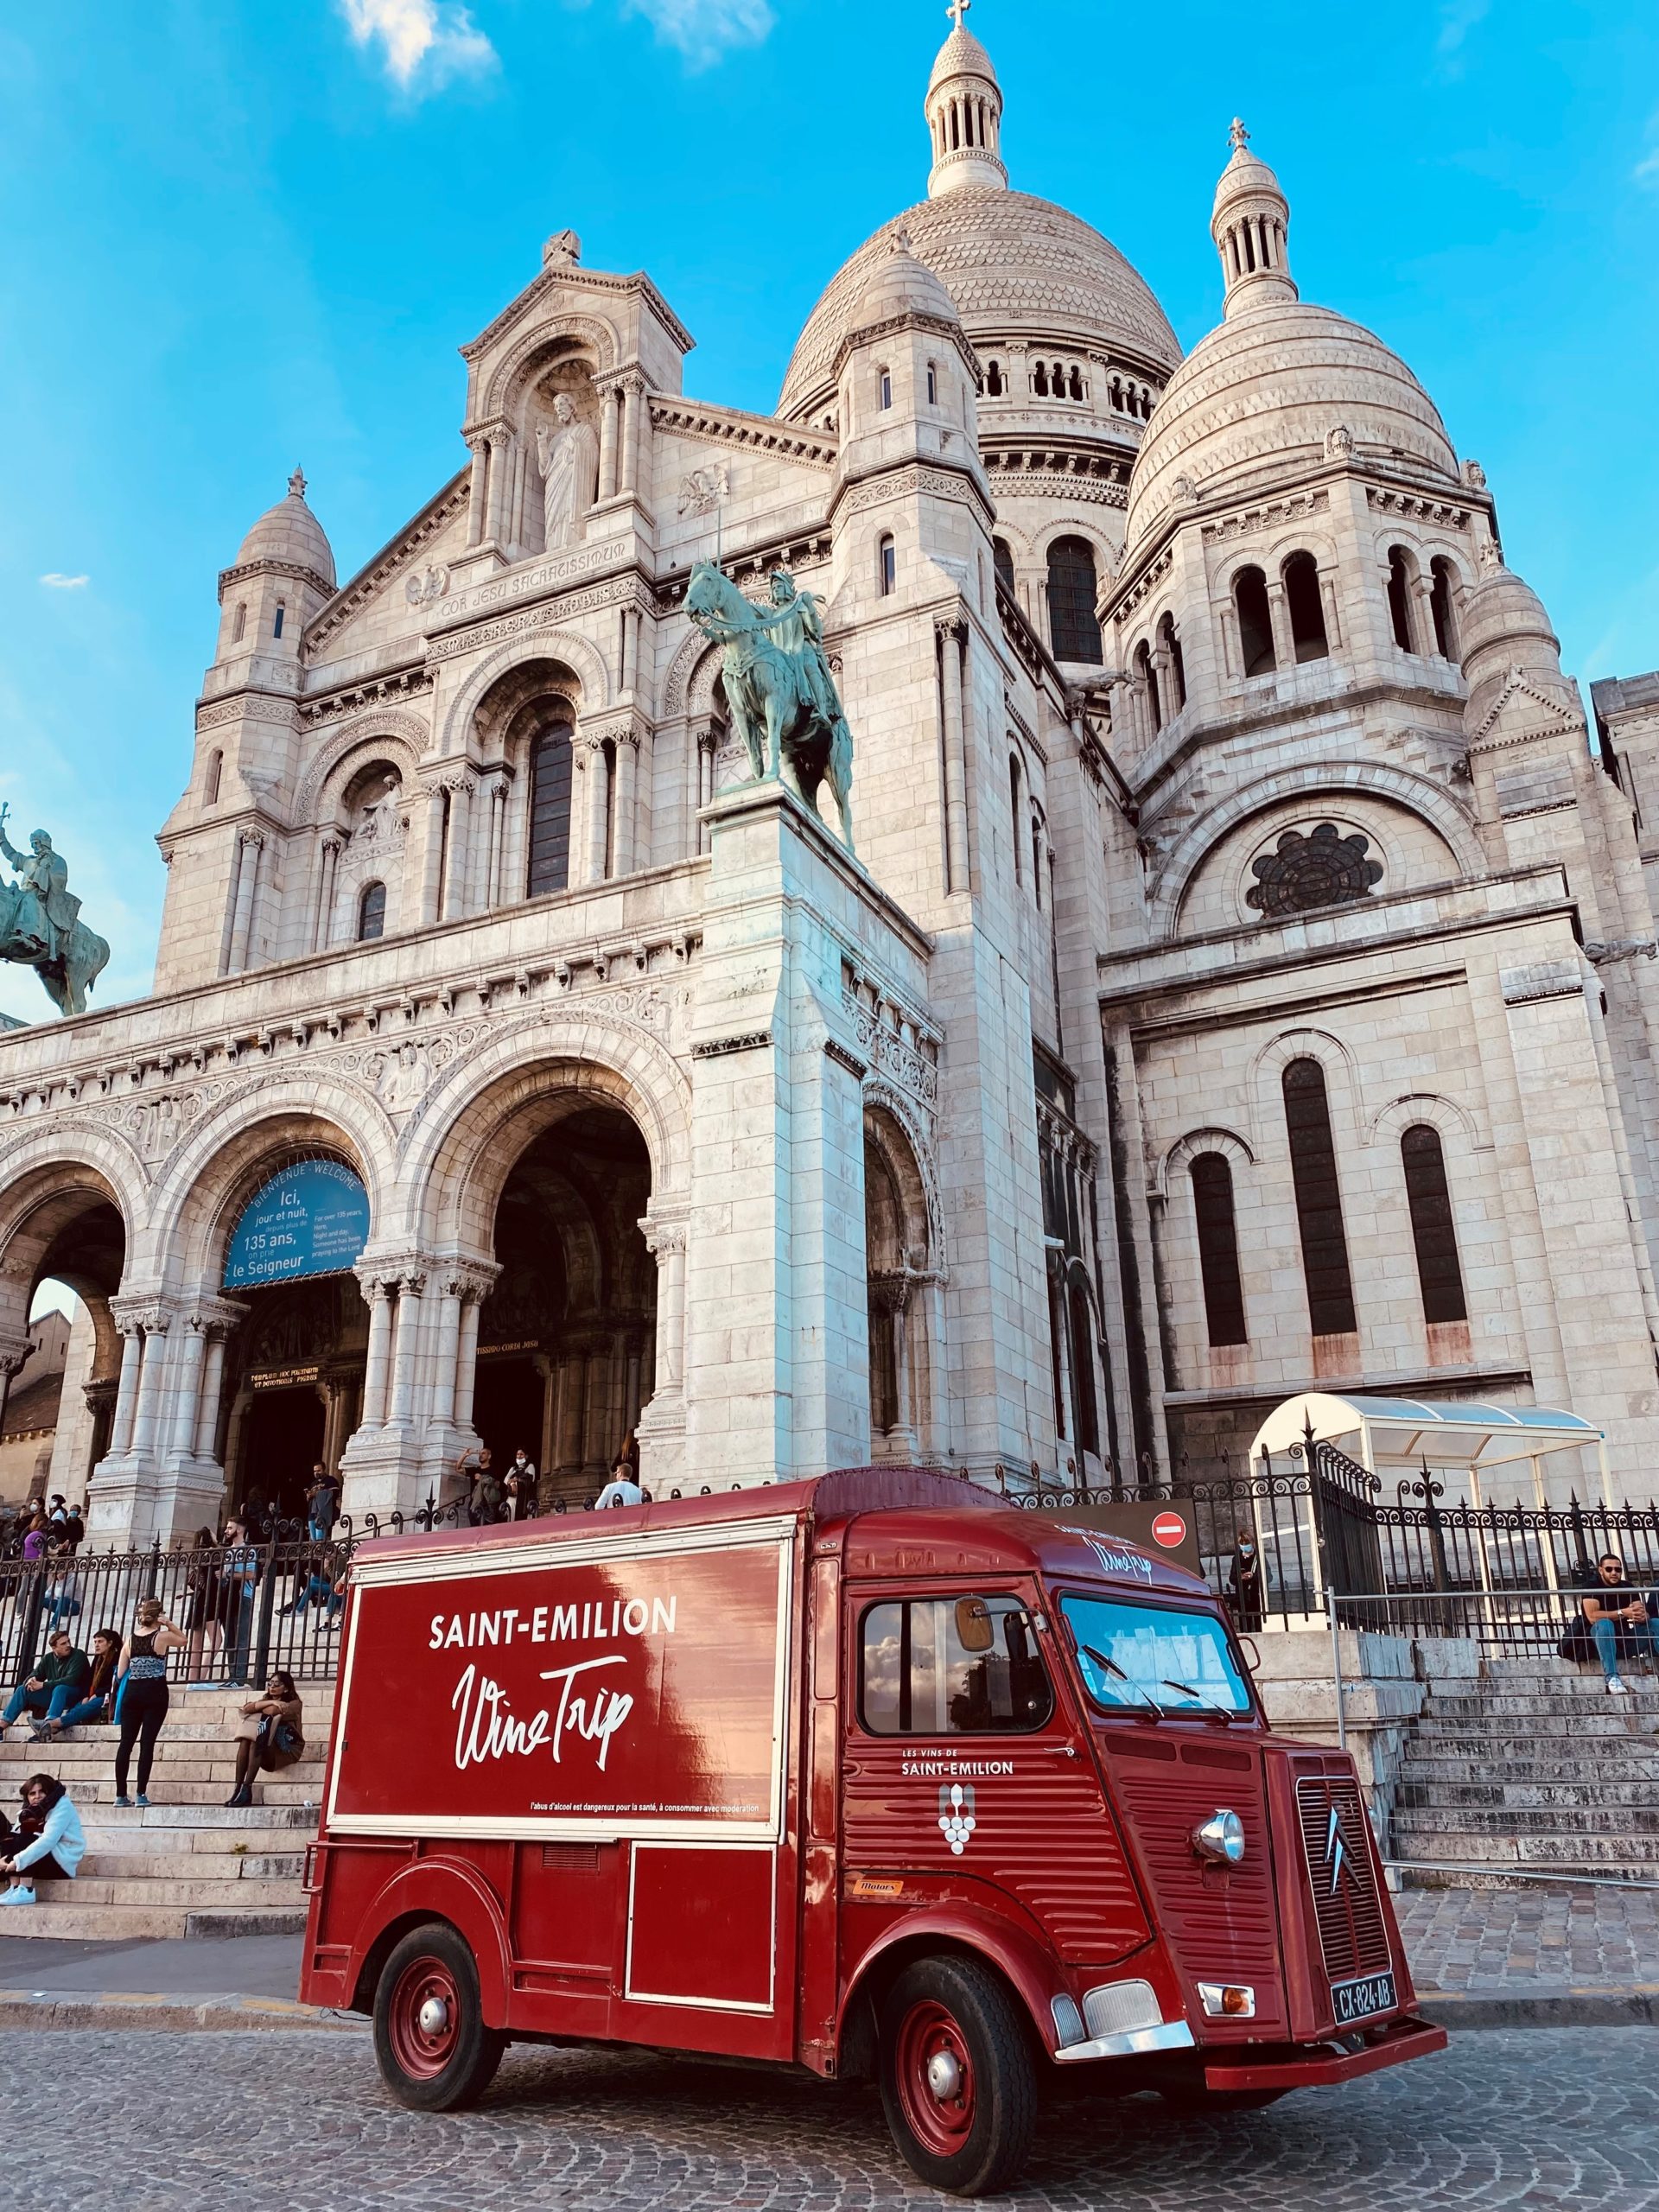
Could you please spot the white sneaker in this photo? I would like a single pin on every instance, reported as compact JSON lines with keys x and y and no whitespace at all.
{"x":1616,"y":1688}
{"x":18,"y":1895}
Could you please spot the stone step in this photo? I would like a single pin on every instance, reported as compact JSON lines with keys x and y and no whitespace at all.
{"x":1534,"y":1884}
{"x":1617,"y":1822}
{"x":62,"y":1921}
{"x":204,"y":1844}
{"x":1644,"y":1697}
{"x":202,"y":1796}
{"x":213,"y":1868}
{"x":199,"y":1820}
{"x":162,"y":1895}
{"x":1612,"y":1717}
{"x":84,"y":1776}
{"x":1636,"y":1855}
{"x":1429,"y":1763}
{"x":1584,"y":1796}
{"x":105,"y":1737}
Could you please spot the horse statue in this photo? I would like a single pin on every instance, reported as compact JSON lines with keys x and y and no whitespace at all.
{"x":40,"y":925}
{"x":778,"y":686}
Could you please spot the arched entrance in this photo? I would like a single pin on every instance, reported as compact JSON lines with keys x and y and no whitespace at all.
{"x":567,"y":1337}
{"x":295,"y":1383}
{"x":902,"y":1286}
{"x":74,"y":1236}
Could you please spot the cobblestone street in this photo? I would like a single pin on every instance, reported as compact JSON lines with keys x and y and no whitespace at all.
{"x":1565,"y":2119}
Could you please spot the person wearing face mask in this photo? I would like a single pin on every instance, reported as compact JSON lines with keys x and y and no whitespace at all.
{"x":1246,"y":1591}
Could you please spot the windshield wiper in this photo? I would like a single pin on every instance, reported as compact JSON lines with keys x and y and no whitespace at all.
{"x":1111,"y":1666}
{"x":1224,"y":1713}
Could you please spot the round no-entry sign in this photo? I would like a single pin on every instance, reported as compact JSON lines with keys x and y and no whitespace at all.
{"x":1169,"y":1530}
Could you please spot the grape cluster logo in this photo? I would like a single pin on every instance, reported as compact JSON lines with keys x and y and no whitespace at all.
{"x":956,"y":1815}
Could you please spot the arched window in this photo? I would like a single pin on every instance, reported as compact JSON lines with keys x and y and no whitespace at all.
{"x":1305,"y":604}
{"x":1077,"y":384}
{"x":1116,"y":390}
{"x":551,"y":772}
{"x":1087,"y":1417}
{"x":1073,"y":589}
{"x":1445,"y":608}
{"x":993,"y":379}
{"x":1224,"y":1287}
{"x":1170,"y":644}
{"x":1255,"y":622}
{"x":1004,"y":558}
{"x":1319,"y":1201}
{"x":932,"y":386}
{"x":884,"y":389}
{"x":1017,"y":815}
{"x":1433,"y":1228}
{"x":1401,"y":575}
{"x":210,"y":782}
{"x":1037,"y":857}
{"x":886,"y":562}
{"x":277,"y":626}
{"x":371,"y":913}
{"x":239,"y":627}
{"x":1148,"y":676}
{"x":1039,"y":380}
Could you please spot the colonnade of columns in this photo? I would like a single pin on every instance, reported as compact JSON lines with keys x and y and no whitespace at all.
{"x":503,"y":488}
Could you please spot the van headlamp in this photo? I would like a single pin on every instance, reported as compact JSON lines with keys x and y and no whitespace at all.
{"x":1221,"y":1840}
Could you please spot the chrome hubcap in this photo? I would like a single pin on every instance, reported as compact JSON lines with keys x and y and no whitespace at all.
{"x":943,"y":2076}
{"x":434,"y":2017}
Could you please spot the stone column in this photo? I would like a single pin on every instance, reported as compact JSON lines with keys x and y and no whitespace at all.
{"x":251,"y":844}
{"x":126,"y":1397}
{"x":498,"y":788}
{"x":634,"y":412}
{"x":500,"y":446}
{"x":666,"y":1239}
{"x":213,"y":1384}
{"x":607,"y":441}
{"x":471,"y":1308}
{"x":406,"y":1348}
{"x":151,"y":1377}
{"x":189,"y":1397}
{"x":432,"y":857}
{"x":322,"y":927}
{"x":452,"y":1291}
{"x":952,"y":633}
{"x":627,"y":770}
{"x":478,"y":492}
{"x":458,"y":867}
{"x":1284,"y":644}
{"x":379,"y":1294}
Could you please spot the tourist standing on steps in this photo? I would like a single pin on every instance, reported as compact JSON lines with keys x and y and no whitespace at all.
{"x":270,"y":1736}
{"x":238,"y":1585}
{"x":142,"y":1706}
{"x":521,"y":1486}
{"x":48,"y":1842}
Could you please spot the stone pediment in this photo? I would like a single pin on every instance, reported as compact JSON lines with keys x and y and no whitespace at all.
{"x":1539,"y":715}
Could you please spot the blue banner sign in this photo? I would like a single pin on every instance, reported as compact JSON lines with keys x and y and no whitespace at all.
{"x":313,"y":1219}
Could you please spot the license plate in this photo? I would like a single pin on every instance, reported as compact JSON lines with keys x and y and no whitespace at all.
{"x":1363,"y":2000}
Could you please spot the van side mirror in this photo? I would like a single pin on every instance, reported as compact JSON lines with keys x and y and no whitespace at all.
{"x":975,"y":1630}
{"x":1252,"y":1651}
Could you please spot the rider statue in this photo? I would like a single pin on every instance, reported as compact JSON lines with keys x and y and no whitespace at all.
{"x":797,"y":627}
{"x":46,"y":913}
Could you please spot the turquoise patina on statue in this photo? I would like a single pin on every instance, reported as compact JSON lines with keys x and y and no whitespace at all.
{"x":40,"y":924}
{"x":779,"y":685}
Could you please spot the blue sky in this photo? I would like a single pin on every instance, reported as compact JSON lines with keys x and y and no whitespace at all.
{"x":238,"y":236}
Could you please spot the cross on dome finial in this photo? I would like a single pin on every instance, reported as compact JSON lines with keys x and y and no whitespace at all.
{"x":1241,"y":136}
{"x":957,"y":9}
{"x":296,"y":485}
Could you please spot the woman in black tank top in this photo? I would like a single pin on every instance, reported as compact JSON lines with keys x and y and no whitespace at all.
{"x":144,"y":1701}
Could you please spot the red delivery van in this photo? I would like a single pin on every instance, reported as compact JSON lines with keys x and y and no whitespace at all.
{"x":871,"y":1775}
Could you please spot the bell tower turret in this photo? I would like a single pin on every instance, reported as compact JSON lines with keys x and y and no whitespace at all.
{"x":964,"y":114}
{"x":1251,"y":228}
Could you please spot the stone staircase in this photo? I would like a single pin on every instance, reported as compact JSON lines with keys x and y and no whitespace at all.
{"x":1532,"y":1769}
{"x":188,"y":1866}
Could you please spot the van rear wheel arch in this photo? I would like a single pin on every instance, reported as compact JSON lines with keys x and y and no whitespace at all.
{"x":431,"y":2045}
{"x":862,"y":2011}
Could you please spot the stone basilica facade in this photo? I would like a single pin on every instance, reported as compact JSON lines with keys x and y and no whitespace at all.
{"x":1245,"y":979}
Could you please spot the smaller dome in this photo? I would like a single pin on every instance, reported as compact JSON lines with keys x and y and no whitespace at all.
{"x":290,"y":533}
{"x":900,"y":284}
{"x":1503,"y":617}
{"x":962,"y":55}
{"x":1246,"y":176}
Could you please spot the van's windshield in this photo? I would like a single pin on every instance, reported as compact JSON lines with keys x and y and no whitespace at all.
{"x":1134,"y":1657}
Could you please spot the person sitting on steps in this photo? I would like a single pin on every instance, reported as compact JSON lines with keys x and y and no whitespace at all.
{"x":270,"y":1736}
{"x":1621,"y":1622}
{"x":51,"y":1684}
{"x":97,"y":1701}
{"x":46,"y":1845}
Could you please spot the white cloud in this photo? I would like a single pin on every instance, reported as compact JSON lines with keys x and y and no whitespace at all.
{"x":54,"y":582}
{"x":431,"y":40}
{"x":705,"y":30}
{"x":1647,"y":170}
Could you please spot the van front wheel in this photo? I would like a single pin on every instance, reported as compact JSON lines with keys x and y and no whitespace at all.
{"x":958,"y":2082}
{"x":433,"y":2048}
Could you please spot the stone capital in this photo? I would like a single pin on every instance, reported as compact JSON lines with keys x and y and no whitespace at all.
{"x":216,"y":1316}
{"x":664,"y":1233}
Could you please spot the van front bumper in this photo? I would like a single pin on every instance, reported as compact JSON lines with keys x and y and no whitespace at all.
{"x":1318,"y":2066}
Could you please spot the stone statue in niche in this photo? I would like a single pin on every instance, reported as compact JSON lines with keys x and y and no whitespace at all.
{"x":1303,"y":873}
{"x":567,"y":451}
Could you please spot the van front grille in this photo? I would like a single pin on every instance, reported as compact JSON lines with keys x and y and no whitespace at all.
{"x":1353,"y":1934}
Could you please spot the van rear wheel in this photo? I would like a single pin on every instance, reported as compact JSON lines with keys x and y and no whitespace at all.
{"x":433,"y":2048}
{"x":958,"y":2082}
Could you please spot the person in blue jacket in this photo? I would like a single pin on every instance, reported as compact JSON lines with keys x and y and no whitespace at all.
{"x":46,"y":1845}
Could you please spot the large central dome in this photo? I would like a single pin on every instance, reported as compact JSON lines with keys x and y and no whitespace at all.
{"x":1019,"y":269}
{"x":1014,"y":264}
